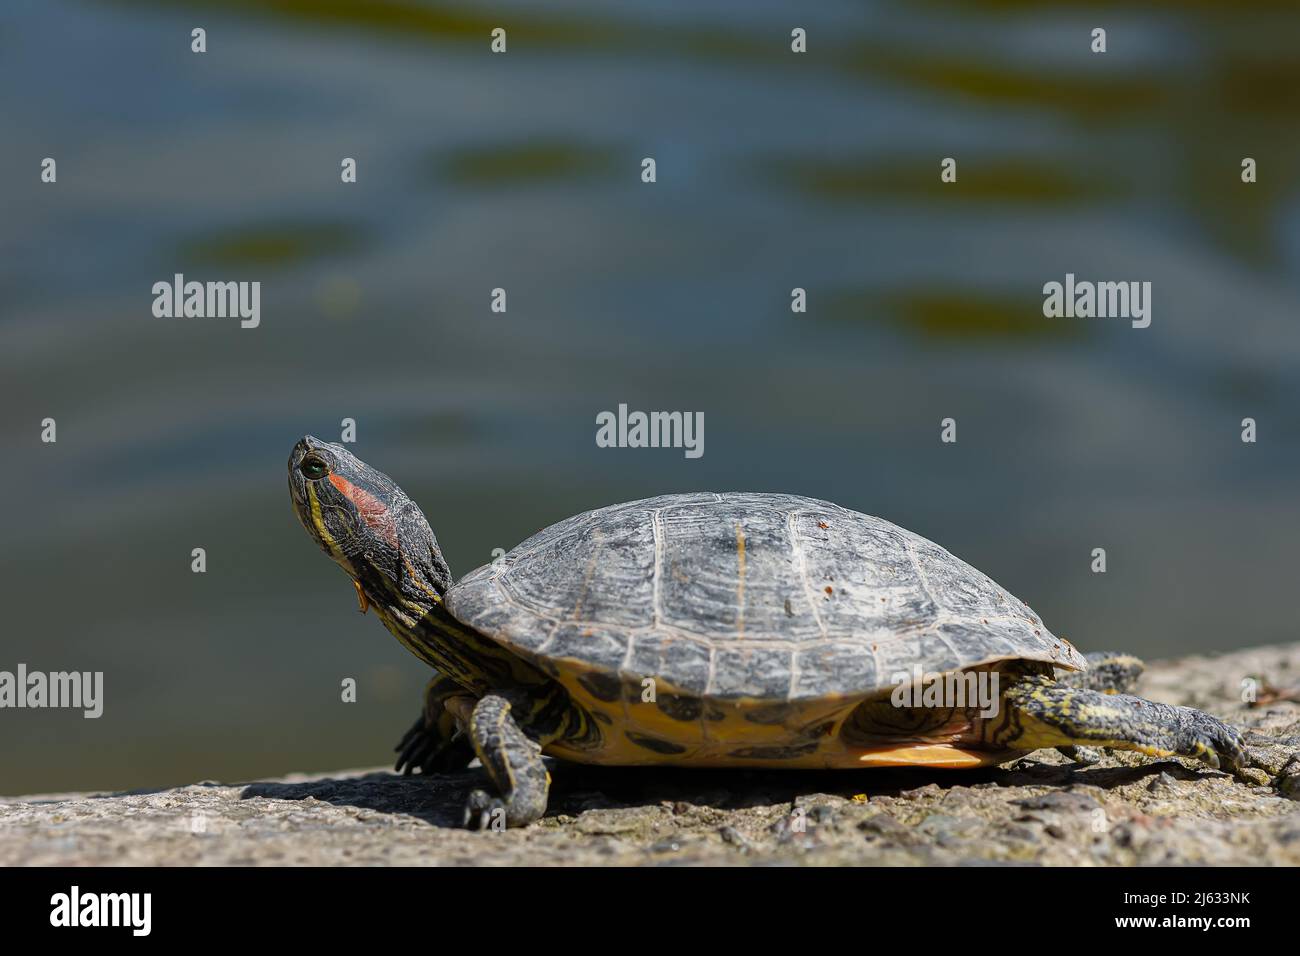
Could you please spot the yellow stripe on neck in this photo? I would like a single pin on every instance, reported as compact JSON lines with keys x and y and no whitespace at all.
{"x":319,"y":521}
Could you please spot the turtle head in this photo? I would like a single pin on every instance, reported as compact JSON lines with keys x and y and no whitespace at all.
{"x":369,"y":527}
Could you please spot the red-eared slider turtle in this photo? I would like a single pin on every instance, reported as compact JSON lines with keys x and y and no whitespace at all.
{"x":741,"y":630}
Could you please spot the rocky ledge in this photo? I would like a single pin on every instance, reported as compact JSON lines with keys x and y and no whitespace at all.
{"x":1040,"y":809}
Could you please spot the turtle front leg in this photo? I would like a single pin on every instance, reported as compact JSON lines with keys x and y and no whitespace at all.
{"x":434,"y":744}
{"x":1043,"y":713}
{"x":512,"y":761}
{"x":1108,"y":671}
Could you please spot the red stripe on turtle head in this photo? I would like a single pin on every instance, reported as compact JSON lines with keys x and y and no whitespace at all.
{"x":373,"y":511}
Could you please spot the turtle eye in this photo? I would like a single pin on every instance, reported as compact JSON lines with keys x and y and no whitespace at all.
{"x":314,"y":467}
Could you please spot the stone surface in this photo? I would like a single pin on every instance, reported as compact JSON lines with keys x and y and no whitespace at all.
{"x":1040,"y":809}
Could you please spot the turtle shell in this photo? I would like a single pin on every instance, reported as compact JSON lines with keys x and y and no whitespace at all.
{"x":740,"y":596}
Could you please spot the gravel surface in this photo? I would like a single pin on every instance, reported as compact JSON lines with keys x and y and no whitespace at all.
{"x":1125,"y":810}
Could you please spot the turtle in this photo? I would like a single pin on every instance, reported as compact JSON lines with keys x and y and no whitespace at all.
{"x":734,"y":629}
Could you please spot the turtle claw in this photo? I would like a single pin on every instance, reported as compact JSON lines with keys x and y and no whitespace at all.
{"x":423,"y":748}
{"x":1218,"y":745}
{"x":412,"y":750}
{"x":484,"y":812}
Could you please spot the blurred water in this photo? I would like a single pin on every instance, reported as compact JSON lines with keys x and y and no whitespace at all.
{"x":522,"y":171}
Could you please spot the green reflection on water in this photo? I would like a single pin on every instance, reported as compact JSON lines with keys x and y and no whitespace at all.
{"x":278,"y":245}
{"x":955,"y":314}
{"x":916,"y":177}
{"x":533,"y":161}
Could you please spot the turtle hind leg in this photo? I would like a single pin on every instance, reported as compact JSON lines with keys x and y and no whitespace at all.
{"x":434,"y":744}
{"x":1110,"y":672}
{"x":512,"y":761}
{"x":1043,"y":713}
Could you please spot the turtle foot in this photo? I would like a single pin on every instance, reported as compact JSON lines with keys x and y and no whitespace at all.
{"x":484,"y":812}
{"x":428,"y":750}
